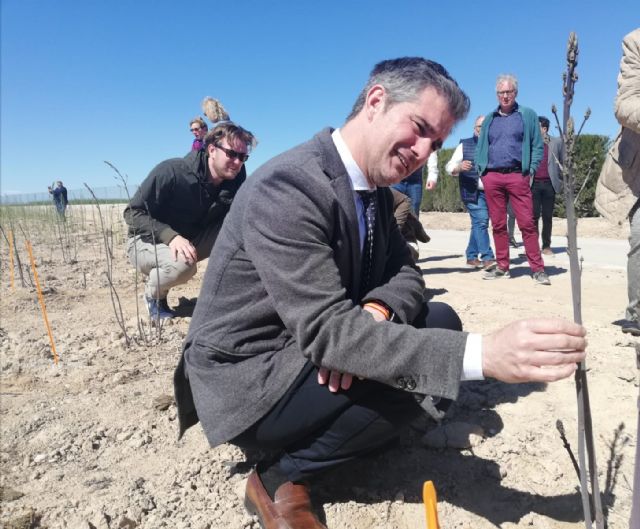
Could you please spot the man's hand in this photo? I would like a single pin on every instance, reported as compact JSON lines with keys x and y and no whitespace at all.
{"x":334,"y":379}
{"x":181,"y":248}
{"x":430,"y":185}
{"x":536,"y":350}
{"x":465,"y":165}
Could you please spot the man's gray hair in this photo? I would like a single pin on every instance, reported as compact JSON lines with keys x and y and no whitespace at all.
{"x":404,"y":79}
{"x":507,"y":78}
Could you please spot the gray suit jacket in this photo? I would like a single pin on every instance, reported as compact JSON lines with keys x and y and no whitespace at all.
{"x":282,"y":288}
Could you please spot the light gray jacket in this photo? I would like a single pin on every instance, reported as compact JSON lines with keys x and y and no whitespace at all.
{"x":282,"y":288}
{"x":618,"y":187}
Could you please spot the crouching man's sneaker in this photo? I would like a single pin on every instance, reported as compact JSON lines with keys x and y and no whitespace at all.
{"x":159,"y":308}
{"x":631,"y":327}
{"x":541,"y":278}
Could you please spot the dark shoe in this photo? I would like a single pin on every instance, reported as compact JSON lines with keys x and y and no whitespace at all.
{"x":413,"y":248}
{"x":541,"y":278}
{"x":158,"y":309}
{"x":489,"y":264}
{"x":512,"y":242}
{"x":496,"y":273}
{"x":420,"y":234}
{"x":631,"y":327}
{"x":474,"y":263}
{"x":291,"y":507}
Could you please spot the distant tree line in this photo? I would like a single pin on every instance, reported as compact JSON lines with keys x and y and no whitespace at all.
{"x":590,"y":154}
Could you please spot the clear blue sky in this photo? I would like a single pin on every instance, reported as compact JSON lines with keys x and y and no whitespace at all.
{"x":93,"y":80}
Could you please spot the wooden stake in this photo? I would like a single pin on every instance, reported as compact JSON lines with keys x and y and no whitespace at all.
{"x":13,"y":287}
{"x":41,"y":299}
{"x":430,"y":499}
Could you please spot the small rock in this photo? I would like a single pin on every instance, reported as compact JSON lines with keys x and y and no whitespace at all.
{"x":163,"y":402}
{"x":39,"y":458}
{"x":9,"y":494}
{"x":435,"y":438}
{"x":126,"y":523}
{"x":24,"y":521}
{"x":124,"y":436}
{"x":454,"y":435}
{"x":464,"y":435}
{"x":119,"y":378}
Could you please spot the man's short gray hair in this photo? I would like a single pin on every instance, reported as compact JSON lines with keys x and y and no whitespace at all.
{"x":404,"y":79}
{"x":507,"y":78}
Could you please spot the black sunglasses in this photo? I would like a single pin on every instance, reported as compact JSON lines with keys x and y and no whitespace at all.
{"x":234,"y":155}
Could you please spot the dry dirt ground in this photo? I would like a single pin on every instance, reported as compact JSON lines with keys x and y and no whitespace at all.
{"x":90,"y":443}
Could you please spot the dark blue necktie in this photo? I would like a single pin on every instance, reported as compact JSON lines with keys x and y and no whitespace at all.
{"x":370,"y":204}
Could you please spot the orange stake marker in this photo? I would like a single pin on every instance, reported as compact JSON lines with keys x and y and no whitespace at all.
{"x":11,"y":259}
{"x":41,"y":299}
{"x":430,"y":500}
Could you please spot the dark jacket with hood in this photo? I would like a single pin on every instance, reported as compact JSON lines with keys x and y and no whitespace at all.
{"x":178,"y":198}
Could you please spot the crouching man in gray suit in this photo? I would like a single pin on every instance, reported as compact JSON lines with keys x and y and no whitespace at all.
{"x":310,"y":337}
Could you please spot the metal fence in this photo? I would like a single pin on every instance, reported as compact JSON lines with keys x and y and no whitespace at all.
{"x":115,"y":193}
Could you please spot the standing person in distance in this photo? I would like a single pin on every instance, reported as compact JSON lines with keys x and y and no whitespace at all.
{"x":412,"y":185}
{"x":546,"y":183}
{"x":199,"y":129}
{"x":60,"y":198}
{"x":618,"y":188}
{"x":479,"y":253}
{"x":509,"y":152}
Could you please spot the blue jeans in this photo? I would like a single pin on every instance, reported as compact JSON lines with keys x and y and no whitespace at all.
{"x":479,"y":242}
{"x":413,"y":191}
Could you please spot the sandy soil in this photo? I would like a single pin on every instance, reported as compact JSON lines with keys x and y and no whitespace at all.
{"x":92,"y":442}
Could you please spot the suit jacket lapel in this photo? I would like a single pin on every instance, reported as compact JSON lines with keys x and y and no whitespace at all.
{"x":341,"y":184}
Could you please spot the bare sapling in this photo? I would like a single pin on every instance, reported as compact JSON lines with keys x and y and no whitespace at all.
{"x":13,"y":248}
{"x":591,"y":504}
{"x":115,"y":298}
{"x":139,"y":321}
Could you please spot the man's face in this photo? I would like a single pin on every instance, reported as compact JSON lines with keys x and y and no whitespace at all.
{"x":506,"y":96}
{"x":226,"y":166}
{"x":477,"y":126}
{"x":401,"y":137}
{"x":544,"y":131}
{"x":198,"y":131}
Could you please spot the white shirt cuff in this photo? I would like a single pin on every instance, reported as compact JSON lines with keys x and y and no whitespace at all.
{"x":472,"y":361}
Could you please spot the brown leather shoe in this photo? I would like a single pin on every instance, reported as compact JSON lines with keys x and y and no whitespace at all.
{"x":474,"y":263}
{"x":291,"y":508}
{"x":489,"y":264}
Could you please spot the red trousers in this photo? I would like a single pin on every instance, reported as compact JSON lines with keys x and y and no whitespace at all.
{"x":499,"y":188}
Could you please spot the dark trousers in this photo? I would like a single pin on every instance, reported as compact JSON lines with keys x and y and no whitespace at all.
{"x":314,"y":429}
{"x":544,"y":197}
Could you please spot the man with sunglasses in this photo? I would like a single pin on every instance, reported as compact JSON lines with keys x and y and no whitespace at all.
{"x":176,"y":214}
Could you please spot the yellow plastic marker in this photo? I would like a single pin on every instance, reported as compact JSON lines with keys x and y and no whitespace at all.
{"x":11,"y":259}
{"x":42,"y":306}
{"x":430,"y":500}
